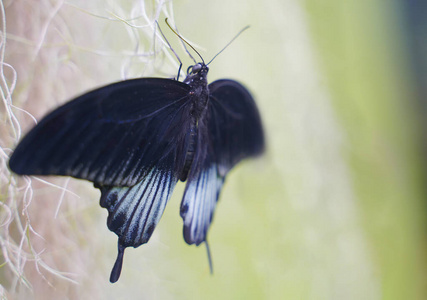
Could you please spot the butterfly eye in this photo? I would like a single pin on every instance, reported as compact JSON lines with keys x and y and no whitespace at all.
{"x":196,"y":68}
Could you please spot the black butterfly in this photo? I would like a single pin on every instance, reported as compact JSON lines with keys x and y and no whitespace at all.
{"x":136,"y":138}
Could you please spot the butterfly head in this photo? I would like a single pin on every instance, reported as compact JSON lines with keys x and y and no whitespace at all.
{"x":197,"y":74}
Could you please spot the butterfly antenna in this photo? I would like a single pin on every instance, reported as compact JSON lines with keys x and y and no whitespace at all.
{"x":209,"y":257}
{"x":232,"y":40}
{"x":173,"y":51}
{"x":182,"y":39}
{"x":186,"y":50}
{"x":185,"y":47}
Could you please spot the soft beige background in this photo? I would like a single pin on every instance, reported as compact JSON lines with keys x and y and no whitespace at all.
{"x":334,"y":209}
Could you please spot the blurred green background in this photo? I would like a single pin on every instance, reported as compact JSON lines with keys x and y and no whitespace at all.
{"x":335,"y":209}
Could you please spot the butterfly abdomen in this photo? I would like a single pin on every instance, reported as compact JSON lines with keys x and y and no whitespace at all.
{"x":189,"y":156}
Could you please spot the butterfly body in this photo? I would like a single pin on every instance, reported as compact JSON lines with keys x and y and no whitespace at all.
{"x":136,"y":138}
{"x":199,"y":97}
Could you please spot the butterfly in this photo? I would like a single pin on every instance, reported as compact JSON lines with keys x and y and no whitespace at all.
{"x":135,"y":139}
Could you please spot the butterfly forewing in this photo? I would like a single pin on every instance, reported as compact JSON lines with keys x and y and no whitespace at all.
{"x":234,"y":124}
{"x":111,"y":136}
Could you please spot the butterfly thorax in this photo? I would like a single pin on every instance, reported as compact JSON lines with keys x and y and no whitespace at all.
{"x":199,"y":93}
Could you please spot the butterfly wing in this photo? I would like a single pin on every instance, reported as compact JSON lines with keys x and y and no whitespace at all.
{"x":133,"y":212}
{"x":229,"y":132}
{"x":129,"y":138}
{"x":202,"y":189}
{"x":235,"y":124}
{"x":112,"y":136}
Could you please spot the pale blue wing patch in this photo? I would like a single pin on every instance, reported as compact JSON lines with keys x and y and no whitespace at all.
{"x":199,"y":202}
{"x":133,"y":212}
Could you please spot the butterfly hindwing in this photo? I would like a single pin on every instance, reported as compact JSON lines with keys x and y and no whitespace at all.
{"x":202,"y":190}
{"x":135,"y":211}
{"x":229,"y":132}
{"x":112,"y":136}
